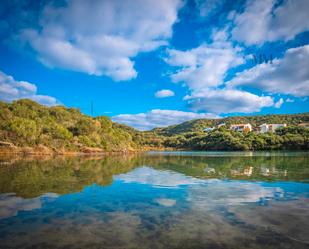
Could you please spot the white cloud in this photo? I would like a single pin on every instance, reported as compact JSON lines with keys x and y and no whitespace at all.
{"x":279,"y":103}
{"x":207,"y":7}
{"x":228,"y":101}
{"x":101,"y":37}
{"x":206,"y":65}
{"x":164,"y":93}
{"x":204,"y":68}
{"x":289,"y":75}
{"x":11,"y":89}
{"x":265,"y":20}
{"x":158,"y":118}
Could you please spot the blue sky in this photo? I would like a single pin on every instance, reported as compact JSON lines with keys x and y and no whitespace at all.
{"x":156,"y":63}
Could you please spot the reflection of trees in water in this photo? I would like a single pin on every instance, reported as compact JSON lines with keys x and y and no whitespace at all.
{"x":268,"y":168}
{"x":35,"y":176}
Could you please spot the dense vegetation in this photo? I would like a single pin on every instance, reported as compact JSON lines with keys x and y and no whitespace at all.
{"x":289,"y":138}
{"x":27,"y":123}
{"x":198,"y":125}
{"x":190,"y":135}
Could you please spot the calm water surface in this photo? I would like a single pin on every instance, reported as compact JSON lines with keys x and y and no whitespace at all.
{"x":158,"y":200}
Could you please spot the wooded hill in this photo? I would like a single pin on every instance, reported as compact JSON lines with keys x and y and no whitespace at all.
{"x":190,"y":135}
{"x":199,"y":125}
{"x":25,"y":123}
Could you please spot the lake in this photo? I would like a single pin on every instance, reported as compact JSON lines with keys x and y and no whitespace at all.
{"x":156,"y":200}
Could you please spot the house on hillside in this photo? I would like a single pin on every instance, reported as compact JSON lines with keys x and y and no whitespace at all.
{"x":305,"y":125}
{"x":270,"y":127}
{"x":241,"y":127}
{"x":209,"y":129}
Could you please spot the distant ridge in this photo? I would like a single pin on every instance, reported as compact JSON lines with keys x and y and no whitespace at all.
{"x":198,"y":125}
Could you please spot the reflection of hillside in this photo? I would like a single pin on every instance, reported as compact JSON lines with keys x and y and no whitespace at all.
{"x":271,"y":168}
{"x":36,"y":176}
{"x":33,"y":177}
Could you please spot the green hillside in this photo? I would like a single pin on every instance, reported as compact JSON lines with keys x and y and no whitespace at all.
{"x":27,"y":123}
{"x":199,"y":125}
{"x":190,"y":135}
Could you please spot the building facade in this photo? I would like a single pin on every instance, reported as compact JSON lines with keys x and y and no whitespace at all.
{"x":241,"y":127}
{"x":270,"y":127}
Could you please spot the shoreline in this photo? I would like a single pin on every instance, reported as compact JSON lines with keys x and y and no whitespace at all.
{"x":93,"y":151}
{"x":41,"y":150}
{"x":45,"y":151}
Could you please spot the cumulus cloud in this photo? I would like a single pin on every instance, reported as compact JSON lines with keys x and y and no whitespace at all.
{"x":204,"y":69}
{"x":164,"y":93}
{"x":101,"y":37}
{"x":289,"y":75}
{"x":206,"y":65}
{"x":158,"y":118}
{"x":267,"y":20}
{"x":11,"y":89}
{"x":228,"y":101}
{"x":207,"y":7}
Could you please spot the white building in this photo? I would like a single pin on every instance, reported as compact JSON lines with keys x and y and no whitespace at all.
{"x":209,"y":129}
{"x":270,"y":127}
{"x":263,"y":128}
{"x":241,"y":127}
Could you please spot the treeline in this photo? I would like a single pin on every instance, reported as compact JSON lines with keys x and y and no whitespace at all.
{"x":287,"y":138}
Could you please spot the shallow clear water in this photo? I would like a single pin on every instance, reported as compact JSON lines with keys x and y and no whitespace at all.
{"x":159,"y":200}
